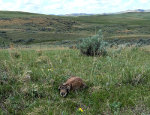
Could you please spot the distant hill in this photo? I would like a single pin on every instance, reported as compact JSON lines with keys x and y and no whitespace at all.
{"x":86,"y":14}
{"x":137,"y":10}
{"x":27,"y":28}
{"x":13,"y":14}
{"x":79,"y":14}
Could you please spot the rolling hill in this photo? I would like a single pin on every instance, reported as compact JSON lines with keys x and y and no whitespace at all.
{"x":27,"y":28}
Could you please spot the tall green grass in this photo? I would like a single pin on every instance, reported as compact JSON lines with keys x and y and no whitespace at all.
{"x":117,"y":84}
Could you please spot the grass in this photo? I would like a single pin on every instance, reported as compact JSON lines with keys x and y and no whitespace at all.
{"x":118,"y":83}
{"x":20,"y":27}
{"x":14,"y":14}
{"x":124,"y":18}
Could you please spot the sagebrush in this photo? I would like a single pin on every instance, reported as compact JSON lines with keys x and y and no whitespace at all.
{"x":94,"y":45}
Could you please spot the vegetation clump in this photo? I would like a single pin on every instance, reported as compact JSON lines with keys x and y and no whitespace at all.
{"x":94,"y":45}
{"x":15,"y":54}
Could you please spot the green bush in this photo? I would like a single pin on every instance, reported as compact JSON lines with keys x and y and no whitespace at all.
{"x":94,"y":45}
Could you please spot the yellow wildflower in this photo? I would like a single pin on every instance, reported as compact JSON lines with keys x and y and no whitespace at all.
{"x":80,"y":109}
{"x":50,"y":69}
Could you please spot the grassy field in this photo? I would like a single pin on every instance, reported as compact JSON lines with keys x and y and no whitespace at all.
{"x":29,"y":28}
{"x":119,"y":83}
{"x":36,"y":64}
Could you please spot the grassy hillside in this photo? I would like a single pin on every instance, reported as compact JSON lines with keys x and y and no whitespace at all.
{"x":118,"y":83}
{"x":25,"y":28}
{"x":133,"y":18}
{"x":17,"y":14}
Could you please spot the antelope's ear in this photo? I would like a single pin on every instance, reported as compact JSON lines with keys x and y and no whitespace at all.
{"x":68,"y":87}
{"x":64,"y":84}
{"x":59,"y":87}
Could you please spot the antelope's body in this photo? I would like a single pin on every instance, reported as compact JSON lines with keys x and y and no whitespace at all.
{"x":73,"y":83}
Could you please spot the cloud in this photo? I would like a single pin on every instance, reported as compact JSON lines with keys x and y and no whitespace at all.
{"x":144,"y":1}
{"x":73,"y":6}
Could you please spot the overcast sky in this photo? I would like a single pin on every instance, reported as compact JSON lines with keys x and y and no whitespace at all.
{"x":73,"y":6}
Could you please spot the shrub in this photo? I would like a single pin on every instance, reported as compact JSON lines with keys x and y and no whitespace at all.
{"x":19,"y":41}
{"x":94,"y":45}
{"x":30,"y":40}
{"x":15,"y":54}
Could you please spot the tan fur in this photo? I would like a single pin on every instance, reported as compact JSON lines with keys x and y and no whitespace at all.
{"x":75,"y":83}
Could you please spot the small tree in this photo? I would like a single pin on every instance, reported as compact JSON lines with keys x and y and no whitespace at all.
{"x":94,"y":45}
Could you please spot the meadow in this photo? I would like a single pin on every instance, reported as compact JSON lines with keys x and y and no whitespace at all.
{"x":118,"y":83}
{"x":38,"y":53}
{"x":29,"y":28}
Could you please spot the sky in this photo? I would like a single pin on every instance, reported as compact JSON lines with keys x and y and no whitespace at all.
{"x":73,"y":6}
